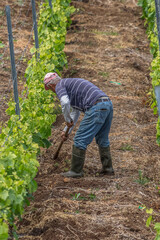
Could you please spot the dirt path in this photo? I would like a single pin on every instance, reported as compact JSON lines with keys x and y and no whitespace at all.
{"x":106,"y":44}
{"x":21,"y":18}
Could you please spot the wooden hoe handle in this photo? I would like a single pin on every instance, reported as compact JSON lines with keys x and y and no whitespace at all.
{"x":60,"y":145}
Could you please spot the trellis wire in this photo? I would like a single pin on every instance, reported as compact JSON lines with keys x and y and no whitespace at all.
{"x":13,"y":66}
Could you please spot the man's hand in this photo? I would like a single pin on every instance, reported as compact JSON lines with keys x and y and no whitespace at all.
{"x":63,"y":136}
{"x":69,"y":124}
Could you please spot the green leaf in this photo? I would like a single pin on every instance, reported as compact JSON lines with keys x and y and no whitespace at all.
{"x":1,"y":45}
{"x":46,"y":143}
{"x":149,"y":211}
{"x":4,"y":194}
{"x":149,"y":221}
{"x":3,"y":231}
{"x":157,"y":226}
{"x":18,"y":164}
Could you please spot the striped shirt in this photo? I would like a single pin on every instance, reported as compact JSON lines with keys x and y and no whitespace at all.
{"x":82,"y":94}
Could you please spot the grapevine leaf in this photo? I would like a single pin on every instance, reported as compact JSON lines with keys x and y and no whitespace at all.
{"x":3,"y":231}
{"x":4,"y":194}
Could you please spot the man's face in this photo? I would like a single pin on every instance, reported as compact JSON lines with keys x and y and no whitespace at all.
{"x":52,"y":87}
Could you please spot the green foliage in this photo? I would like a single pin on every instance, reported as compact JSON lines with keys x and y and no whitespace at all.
{"x":150,"y":220}
{"x":104,"y":74}
{"x":22,"y":138}
{"x":149,"y":14}
{"x":157,"y":228}
{"x":142,"y":180}
{"x":126,"y":147}
{"x":78,"y":197}
{"x":1,"y":45}
{"x":92,"y":196}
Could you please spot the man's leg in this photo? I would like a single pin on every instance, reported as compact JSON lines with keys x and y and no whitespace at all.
{"x":84,"y":136}
{"x":102,"y":139}
{"x":77,"y":162}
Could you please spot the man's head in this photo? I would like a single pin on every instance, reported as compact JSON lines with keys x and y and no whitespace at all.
{"x":50,"y":81}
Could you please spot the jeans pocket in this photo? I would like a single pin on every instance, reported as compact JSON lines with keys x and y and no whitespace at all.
{"x":100,"y":116}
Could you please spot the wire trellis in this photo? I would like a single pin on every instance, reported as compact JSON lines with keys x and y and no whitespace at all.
{"x":23,"y":52}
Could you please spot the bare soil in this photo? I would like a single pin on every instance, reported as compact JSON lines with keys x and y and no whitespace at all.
{"x":21,"y":18}
{"x":107,"y":45}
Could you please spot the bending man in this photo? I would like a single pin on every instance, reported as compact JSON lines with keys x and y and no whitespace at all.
{"x":81,"y":95}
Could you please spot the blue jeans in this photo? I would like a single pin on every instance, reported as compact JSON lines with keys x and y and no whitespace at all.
{"x":96,"y":123}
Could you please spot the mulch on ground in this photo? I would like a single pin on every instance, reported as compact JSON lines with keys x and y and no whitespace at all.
{"x":107,"y":45}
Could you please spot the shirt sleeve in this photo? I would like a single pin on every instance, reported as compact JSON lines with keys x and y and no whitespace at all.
{"x":65,"y":104}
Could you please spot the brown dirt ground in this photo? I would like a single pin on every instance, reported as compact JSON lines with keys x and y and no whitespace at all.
{"x":106,"y":43}
{"x":21,"y":17}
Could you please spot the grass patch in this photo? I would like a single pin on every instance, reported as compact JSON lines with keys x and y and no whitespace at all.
{"x":73,"y":71}
{"x":2,"y":13}
{"x":142,"y":180}
{"x":77,"y":197}
{"x":126,"y":147}
{"x":118,"y":46}
{"x":104,"y":74}
{"x":107,"y":33}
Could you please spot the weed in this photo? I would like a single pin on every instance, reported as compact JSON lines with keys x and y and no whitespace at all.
{"x":66,"y":169}
{"x":20,"y":2}
{"x":77,"y":197}
{"x":104,"y":74}
{"x":73,"y":71}
{"x":158,"y":188}
{"x":135,"y":120}
{"x":66,"y":210}
{"x":118,"y":46}
{"x":56,"y":165}
{"x":118,"y":186}
{"x":67,"y":161}
{"x":76,"y":59}
{"x":150,"y":220}
{"x":92,"y":196}
{"x":142,"y":180}
{"x":1,"y":45}
{"x":126,"y":147}
{"x":1,"y":13}
{"x":33,"y":209}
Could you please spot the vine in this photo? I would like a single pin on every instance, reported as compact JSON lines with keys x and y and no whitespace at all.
{"x":20,"y":139}
{"x":149,"y":14}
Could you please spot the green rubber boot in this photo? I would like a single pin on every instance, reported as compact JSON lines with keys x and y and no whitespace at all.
{"x":106,"y":160}
{"x":77,"y":163}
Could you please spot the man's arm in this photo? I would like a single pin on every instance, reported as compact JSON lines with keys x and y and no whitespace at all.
{"x":65,"y":104}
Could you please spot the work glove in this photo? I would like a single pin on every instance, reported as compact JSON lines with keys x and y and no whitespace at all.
{"x":65,"y":136}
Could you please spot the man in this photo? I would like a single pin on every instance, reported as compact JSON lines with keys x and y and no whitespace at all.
{"x":82,"y":96}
